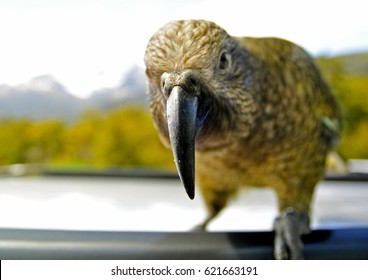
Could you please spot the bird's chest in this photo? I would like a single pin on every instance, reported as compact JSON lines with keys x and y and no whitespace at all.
{"x":235,"y":166}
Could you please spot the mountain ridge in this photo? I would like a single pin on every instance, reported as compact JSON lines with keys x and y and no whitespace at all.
{"x":44,"y":97}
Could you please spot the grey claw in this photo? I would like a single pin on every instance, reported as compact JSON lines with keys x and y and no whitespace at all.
{"x":288,"y":230}
{"x":199,"y":228}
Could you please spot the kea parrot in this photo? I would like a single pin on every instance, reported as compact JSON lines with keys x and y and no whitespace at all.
{"x":243,"y":111}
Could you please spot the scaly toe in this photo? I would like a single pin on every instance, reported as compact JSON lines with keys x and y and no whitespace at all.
{"x":289,"y":227}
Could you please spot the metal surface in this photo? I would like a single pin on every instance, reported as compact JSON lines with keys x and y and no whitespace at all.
{"x":47,"y":244}
{"x":97,"y":217}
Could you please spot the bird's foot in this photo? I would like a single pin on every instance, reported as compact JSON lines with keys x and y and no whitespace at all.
{"x":203,"y":226}
{"x":289,"y":227}
{"x":199,"y":228}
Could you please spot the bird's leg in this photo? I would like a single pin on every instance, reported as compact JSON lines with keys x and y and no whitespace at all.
{"x":202,"y":226}
{"x":289,"y":227}
{"x":215,"y":201}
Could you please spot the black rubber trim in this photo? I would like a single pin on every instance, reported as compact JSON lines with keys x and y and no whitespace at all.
{"x":158,"y":174}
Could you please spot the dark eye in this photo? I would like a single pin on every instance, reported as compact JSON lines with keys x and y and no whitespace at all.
{"x":224,"y":61}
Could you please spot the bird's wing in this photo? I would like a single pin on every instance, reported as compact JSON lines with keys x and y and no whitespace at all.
{"x":270,"y":51}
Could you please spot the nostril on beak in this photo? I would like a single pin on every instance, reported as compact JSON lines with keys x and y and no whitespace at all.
{"x":188,"y":80}
{"x":193,"y":82}
{"x":163,"y":80}
{"x":164,"y":88}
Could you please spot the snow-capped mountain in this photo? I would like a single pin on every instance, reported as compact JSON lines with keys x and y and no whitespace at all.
{"x":45,"y":97}
{"x":130,"y":90}
{"x":44,"y":83}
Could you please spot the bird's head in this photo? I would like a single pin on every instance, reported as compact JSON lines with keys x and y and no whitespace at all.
{"x":199,"y":77}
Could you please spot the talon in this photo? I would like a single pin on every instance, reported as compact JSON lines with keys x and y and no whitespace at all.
{"x":289,"y":227}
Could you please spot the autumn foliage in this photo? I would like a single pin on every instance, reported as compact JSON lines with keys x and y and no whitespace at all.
{"x":122,"y":137}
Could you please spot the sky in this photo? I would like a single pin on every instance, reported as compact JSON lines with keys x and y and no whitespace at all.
{"x":89,"y":44}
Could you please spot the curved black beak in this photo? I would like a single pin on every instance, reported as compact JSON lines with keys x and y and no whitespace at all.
{"x":181,"y":113}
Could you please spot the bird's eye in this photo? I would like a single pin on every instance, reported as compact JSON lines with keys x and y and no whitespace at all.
{"x":224,"y":61}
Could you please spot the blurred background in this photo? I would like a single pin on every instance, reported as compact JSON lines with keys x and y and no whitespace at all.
{"x":73,"y":88}
{"x":72,"y":82}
